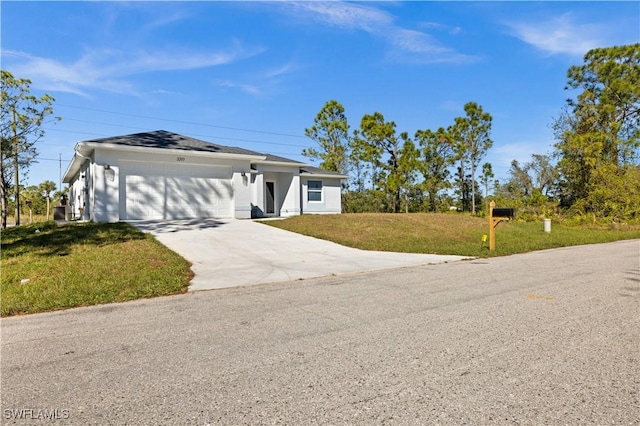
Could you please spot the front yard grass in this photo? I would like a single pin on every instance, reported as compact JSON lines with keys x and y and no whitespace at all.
{"x":455,"y":234}
{"x":48,"y":267}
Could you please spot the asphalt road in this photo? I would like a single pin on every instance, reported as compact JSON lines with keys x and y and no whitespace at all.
{"x":549,"y":337}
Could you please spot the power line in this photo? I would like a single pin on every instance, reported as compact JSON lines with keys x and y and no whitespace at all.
{"x":46,"y":159}
{"x":192,"y":134}
{"x":181,"y":121}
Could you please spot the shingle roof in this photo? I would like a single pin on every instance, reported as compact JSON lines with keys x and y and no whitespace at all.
{"x":318,"y":171}
{"x":275,"y":158}
{"x":168,"y":140}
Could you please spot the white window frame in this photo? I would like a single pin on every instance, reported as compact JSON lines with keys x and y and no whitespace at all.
{"x":315,"y":191}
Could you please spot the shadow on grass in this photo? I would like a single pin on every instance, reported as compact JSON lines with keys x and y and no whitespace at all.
{"x":51,"y":239}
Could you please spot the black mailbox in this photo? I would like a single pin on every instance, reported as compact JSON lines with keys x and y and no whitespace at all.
{"x":503,"y":212}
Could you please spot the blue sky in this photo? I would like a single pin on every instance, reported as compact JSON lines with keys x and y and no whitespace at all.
{"x":255,"y":74}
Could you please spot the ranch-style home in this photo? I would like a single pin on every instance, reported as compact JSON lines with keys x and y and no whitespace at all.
{"x":164,"y":175}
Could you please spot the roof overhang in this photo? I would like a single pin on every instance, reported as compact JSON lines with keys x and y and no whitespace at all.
{"x":81,"y":155}
{"x":84,"y":150}
{"x":279,"y":163}
{"x":145,"y":149}
{"x":324,"y":175}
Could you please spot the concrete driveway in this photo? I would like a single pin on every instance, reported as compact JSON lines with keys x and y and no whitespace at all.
{"x":231,"y":253}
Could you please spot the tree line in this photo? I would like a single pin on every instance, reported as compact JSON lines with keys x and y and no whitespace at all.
{"x":592,"y":173}
{"x":21,"y":117}
{"x":37,"y":200}
{"x":391,"y":171}
{"x":593,"y":170}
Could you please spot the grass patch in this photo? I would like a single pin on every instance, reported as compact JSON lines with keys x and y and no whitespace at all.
{"x":454,"y":234}
{"x":48,"y":267}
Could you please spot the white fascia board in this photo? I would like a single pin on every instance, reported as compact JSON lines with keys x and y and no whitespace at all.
{"x":74,"y":167}
{"x":323,"y":175}
{"x":82,"y":154}
{"x":307,"y":175}
{"x":280,"y":163}
{"x":180,"y":152}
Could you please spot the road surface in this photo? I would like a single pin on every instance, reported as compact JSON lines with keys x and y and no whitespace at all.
{"x":550,"y":337}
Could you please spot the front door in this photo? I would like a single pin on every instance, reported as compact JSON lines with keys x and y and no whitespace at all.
{"x":270,"y":198}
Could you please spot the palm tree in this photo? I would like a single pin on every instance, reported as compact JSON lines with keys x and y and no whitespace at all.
{"x":47,"y":187}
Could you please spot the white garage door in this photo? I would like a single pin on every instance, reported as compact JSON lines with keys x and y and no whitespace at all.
{"x":167,"y":191}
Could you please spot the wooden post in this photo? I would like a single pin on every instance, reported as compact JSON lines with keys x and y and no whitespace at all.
{"x":494,"y":221}
{"x":492,"y":227}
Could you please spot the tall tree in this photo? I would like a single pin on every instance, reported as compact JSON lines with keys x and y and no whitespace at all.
{"x":437,"y":155}
{"x":407,"y":167}
{"x":21,"y":118}
{"x":544,"y":174}
{"x":520,"y":183}
{"x":598,"y":135}
{"x":473,"y":133}
{"x":379,"y":141}
{"x":360,"y":168}
{"x":485,"y":178}
{"x":330,"y":131}
{"x":46,"y":188}
{"x":537,"y":178}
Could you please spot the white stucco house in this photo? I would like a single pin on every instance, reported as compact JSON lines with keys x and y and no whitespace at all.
{"x":164,"y":175}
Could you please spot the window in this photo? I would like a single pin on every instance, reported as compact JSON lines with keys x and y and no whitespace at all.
{"x":314,"y":190}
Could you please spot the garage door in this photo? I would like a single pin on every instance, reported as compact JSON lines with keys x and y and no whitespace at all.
{"x":167,"y":191}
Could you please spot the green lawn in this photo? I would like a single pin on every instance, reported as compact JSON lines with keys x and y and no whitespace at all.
{"x":456,"y":234}
{"x":48,"y":267}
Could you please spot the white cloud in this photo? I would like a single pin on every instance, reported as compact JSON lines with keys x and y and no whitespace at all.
{"x":259,"y":83}
{"x":246,"y":88}
{"x":415,"y":46}
{"x":559,"y":35}
{"x":282,"y":70}
{"x":501,"y":155}
{"x":441,"y":27}
{"x":344,"y":15}
{"x":405,"y":44}
{"x":107,"y":69}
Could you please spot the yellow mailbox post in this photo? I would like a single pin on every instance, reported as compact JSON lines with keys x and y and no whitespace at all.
{"x":496,"y":215}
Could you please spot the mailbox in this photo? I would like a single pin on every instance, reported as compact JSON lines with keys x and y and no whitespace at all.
{"x":503,"y":212}
{"x":497,"y":215}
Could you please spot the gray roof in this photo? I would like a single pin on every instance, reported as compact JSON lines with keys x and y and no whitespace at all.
{"x":168,"y":140}
{"x":271,"y":157}
{"x":318,"y":171}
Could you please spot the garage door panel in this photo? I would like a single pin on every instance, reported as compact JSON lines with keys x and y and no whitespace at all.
{"x":177,"y":192}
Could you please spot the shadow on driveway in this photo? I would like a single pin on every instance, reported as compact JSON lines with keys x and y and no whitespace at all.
{"x":163,"y":226}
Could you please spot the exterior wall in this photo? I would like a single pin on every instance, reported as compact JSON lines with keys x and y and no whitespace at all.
{"x":286,"y":180}
{"x":241,"y":193}
{"x":257,"y":195}
{"x":331,"y":196}
{"x":79,"y":195}
{"x":99,"y":191}
{"x":106,"y":187}
{"x":291,"y":200}
{"x":106,"y":197}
